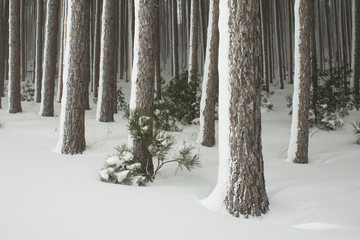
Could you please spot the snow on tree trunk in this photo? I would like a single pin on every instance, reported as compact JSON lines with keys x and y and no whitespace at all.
{"x":105,"y":111}
{"x":142,"y":93}
{"x":76,"y":74}
{"x":299,"y":139}
{"x":14,"y":57}
{"x":356,"y":52}
{"x":193,"y":49}
{"x":210,"y":81}
{"x":50,"y":59}
{"x":39,"y":50}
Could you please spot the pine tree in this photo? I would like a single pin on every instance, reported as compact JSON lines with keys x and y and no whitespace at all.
{"x":50,"y":58}
{"x":299,"y":140}
{"x":14,"y":57}
{"x":105,"y":111}
{"x":210,"y":81}
{"x":39,"y":50}
{"x":142,"y":94}
{"x":246,"y":194}
{"x":76,"y":75}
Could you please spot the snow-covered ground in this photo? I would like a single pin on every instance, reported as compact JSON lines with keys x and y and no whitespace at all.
{"x":45,"y":195}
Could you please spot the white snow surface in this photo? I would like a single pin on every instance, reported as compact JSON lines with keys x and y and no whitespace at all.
{"x":46,"y":195}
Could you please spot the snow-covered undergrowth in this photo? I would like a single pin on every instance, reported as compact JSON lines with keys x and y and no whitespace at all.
{"x":45,"y":195}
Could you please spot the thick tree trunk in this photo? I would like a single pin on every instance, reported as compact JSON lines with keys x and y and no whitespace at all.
{"x":14,"y":57}
{"x":50,"y":58}
{"x":299,"y":140}
{"x":210,"y":81}
{"x":143,"y":75}
{"x":39,"y":50}
{"x":246,"y":194}
{"x":105,"y":111}
{"x":76,"y":75}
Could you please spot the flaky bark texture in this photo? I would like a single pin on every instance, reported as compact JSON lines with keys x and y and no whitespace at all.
{"x":50,"y":58}
{"x":76,"y":75}
{"x":356,"y":51}
{"x":38,"y":49}
{"x":14,"y":57}
{"x":107,"y":79}
{"x":193,"y":61}
{"x":306,"y":14}
{"x":212,"y":80}
{"x":246,"y":193}
{"x":148,"y":9}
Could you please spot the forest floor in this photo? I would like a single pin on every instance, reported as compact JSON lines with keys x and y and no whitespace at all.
{"x":45,"y":195}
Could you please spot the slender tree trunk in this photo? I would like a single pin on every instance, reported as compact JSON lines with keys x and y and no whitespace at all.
{"x":50,"y":58}
{"x":210,"y":81}
{"x":23,"y":41}
{"x":39,"y":49}
{"x":356,"y":52}
{"x":328,"y":27}
{"x":246,"y":194}
{"x":96,"y":54}
{"x":175,"y":39}
{"x":76,"y":75}
{"x":3,"y":23}
{"x":106,"y":96}
{"x":61,"y":51}
{"x":264,"y":28}
{"x":193,"y":61}
{"x":157,"y":58}
{"x":299,"y":140}
{"x":14,"y":57}
{"x":278,"y":44}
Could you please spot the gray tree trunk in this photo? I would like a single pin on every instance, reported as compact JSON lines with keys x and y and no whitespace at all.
{"x":14,"y":57}
{"x":50,"y":58}
{"x":76,"y":75}
{"x":356,"y":52}
{"x":39,"y":49}
{"x":175,"y":39}
{"x":61,"y":51}
{"x":105,"y":111}
{"x":246,"y":194}
{"x":193,"y":61}
{"x":96,"y":53}
{"x":3,"y":23}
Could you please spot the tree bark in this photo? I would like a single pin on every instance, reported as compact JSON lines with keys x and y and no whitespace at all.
{"x":105,"y":111}
{"x":246,"y":194}
{"x":14,"y":57}
{"x":96,"y":54}
{"x":3,"y":43}
{"x":61,"y":50}
{"x":76,"y":75}
{"x":50,"y":58}
{"x":299,"y":140}
{"x":175,"y":39}
{"x":356,"y":52}
{"x":193,"y":61}
{"x":210,"y":81}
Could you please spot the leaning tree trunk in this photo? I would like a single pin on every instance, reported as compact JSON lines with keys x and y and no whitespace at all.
{"x":39,"y":49}
{"x":50,"y":58}
{"x":193,"y":57}
{"x":246,"y":194}
{"x":14,"y":57}
{"x":210,"y":81}
{"x":299,"y":140}
{"x":142,"y":94}
{"x":76,"y":75}
{"x":105,"y":111}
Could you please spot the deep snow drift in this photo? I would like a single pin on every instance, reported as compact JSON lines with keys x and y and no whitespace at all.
{"x":45,"y":195}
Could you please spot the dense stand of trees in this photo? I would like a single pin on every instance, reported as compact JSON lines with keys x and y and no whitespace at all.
{"x":83,"y":48}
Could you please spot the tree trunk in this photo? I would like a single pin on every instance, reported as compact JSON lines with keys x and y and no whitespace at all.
{"x":50,"y":58}
{"x":14,"y":57}
{"x":61,"y":50}
{"x":299,"y":140}
{"x":23,"y":40}
{"x":210,"y":81}
{"x":278,"y":44}
{"x":3,"y":23}
{"x":142,"y":97}
{"x":193,"y":61}
{"x":76,"y":75}
{"x":105,"y":111}
{"x":96,"y":54}
{"x":39,"y":49}
{"x":175,"y":39}
{"x":356,"y":52}
{"x":246,"y":194}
